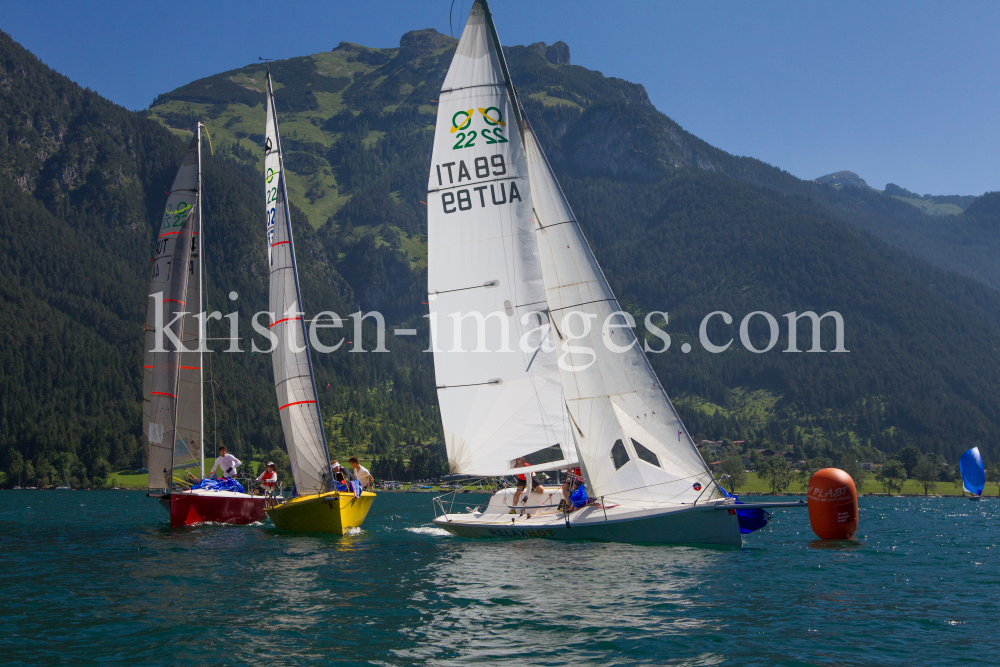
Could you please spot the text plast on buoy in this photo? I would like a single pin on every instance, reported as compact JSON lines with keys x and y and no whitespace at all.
{"x":833,"y":504}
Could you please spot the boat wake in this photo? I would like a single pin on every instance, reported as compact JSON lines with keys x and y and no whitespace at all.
{"x":354,"y":531}
{"x":429,"y":530}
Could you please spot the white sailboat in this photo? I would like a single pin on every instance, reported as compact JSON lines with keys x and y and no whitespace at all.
{"x":503,"y":242}
{"x":172,"y":406}
{"x":294,"y":380}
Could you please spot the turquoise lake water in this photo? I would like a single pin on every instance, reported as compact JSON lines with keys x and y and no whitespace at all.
{"x":98,"y":577}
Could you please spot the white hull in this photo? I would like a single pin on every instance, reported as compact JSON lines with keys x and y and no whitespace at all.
{"x":701,"y":524}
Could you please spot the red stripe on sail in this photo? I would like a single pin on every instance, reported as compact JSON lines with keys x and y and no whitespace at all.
{"x":279,"y":243}
{"x":174,"y":300}
{"x":189,"y":368}
{"x":147,"y":366}
{"x":160,"y":393}
{"x":285,"y":320}
{"x":287,"y":405}
{"x":168,"y":234}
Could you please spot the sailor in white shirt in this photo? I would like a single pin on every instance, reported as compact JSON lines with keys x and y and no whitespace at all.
{"x":226,"y":463}
{"x":361,"y":473}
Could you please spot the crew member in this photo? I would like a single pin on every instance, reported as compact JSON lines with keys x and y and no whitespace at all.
{"x":268,"y":479}
{"x":361,"y":473}
{"x":339,"y":476}
{"x":574,"y":478}
{"x":522,"y":481}
{"x":226,"y":463}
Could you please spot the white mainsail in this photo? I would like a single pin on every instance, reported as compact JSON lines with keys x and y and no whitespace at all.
{"x":294,"y":383}
{"x":172,"y":387}
{"x":484,"y":278}
{"x":632,"y":444}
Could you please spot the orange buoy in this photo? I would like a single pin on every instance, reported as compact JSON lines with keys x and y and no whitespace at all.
{"x":833,"y":504}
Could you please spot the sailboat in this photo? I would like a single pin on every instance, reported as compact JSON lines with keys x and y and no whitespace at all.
{"x":973,"y":473}
{"x":565,"y":382}
{"x":172,"y":401}
{"x":317,"y":505}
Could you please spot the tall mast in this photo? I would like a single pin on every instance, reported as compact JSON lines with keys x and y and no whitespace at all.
{"x":295,"y":273}
{"x":201,"y":366}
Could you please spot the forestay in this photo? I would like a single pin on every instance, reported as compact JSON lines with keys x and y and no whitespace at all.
{"x":632,"y":445}
{"x":294,"y":384}
{"x":499,"y":399}
{"x":171,"y":423}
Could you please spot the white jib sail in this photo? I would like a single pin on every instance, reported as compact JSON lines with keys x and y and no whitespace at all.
{"x":171,"y":423}
{"x":499,"y":399}
{"x":632,"y":444}
{"x":294,"y":384}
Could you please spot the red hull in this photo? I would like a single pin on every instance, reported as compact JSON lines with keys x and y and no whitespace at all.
{"x":191,"y":509}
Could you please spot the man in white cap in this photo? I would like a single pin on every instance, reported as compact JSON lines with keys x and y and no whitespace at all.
{"x":339,"y":476}
{"x":268,"y":479}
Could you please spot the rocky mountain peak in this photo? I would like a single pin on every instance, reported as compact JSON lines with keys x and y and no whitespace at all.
{"x":843,"y":179}
{"x":557,"y":54}
{"x":418,"y":43}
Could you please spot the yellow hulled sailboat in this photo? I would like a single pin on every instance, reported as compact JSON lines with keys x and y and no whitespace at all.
{"x":317,"y":506}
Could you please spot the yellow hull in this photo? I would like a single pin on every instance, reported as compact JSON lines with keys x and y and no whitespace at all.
{"x":333,"y":512}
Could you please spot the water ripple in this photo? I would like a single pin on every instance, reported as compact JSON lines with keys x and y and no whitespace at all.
{"x":109,"y":582}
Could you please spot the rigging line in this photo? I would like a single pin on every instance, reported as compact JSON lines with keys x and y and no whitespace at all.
{"x":671,"y":481}
{"x":215,"y":414}
{"x":237,"y":401}
{"x":585,"y":303}
{"x":485,"y":181}
{"x":451,"y":28}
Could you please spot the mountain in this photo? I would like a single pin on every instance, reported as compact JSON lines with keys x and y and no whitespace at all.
{"x":84,"y":184}
{"x":631,"y":172}
{"x":678,"y":226}
{"x":843,"y":179}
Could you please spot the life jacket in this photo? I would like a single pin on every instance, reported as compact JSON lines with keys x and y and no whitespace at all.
{"x":269,"y":480}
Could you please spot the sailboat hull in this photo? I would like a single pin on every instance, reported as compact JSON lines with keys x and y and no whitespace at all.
{"x":702,"y":524}
{"x":332,"y":512}
{"x":190,"y":508}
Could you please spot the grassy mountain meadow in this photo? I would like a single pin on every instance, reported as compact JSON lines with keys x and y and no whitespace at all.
{"x":678,"y":226}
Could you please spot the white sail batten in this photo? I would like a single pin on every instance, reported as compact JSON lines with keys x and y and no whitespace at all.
{"x":631,"y":442}
{"x":499,"y":399}
{"x":294,"y":382}
{"x":171,"y":423}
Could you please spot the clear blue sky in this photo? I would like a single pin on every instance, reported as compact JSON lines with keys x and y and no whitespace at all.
{"x":902,"y":92}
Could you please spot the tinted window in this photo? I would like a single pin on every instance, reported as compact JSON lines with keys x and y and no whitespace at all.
{"x":619,"y":454}
{"x":645,"y":454}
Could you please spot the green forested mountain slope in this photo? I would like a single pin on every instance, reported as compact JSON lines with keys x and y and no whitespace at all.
{"x":84,"y":186}
{"x":678,"y":226}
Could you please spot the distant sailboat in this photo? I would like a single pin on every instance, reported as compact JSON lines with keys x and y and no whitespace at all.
{"x":973,"y":473}
{"x":503,"y":242}
{"x":172,"y":407}
{"x":294,"y":381}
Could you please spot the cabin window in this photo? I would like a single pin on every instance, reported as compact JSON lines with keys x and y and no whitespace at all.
{"x":645,"y":454}
{"x":619,"y":455}
{"x":542,"y":456}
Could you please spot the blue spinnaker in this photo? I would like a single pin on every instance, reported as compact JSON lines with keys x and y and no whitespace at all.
{"x":749,"y":519}
{"x":973,"y":472}
{"x":579,"y":497}
{"x":223,"y":484}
